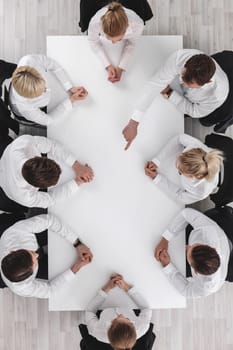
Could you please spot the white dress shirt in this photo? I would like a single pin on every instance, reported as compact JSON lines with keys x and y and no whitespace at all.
{"x":16,"y":187}
{"x":29,"y":108}
{"x":205,"y":231}
{"x":191,"y":189}
{"x":22,"y":236}
{"x":98,"y":328}
{"x":133,"y":32}
{"x":196,"y":103}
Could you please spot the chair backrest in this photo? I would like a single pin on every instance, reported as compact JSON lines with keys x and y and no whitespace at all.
{"x":88,"y":9}
{"x":224,"y":59}
{"x":224,"y":218}
{"x":225,"y":144}
{"x":90,"y":343}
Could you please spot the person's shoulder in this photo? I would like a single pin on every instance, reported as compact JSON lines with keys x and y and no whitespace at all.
{"x":28,"y":60}
{"x":132,"y":15}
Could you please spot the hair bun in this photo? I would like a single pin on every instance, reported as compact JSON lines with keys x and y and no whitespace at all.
{"x":114,"y":6}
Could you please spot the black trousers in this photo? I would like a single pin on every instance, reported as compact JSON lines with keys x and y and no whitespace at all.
{"x":188,"y":231}
{"x":42,"y":240}
{"x":5,"y":140}
{"x":225,"y":111}
{"x":7,"y":220}
{"x":8,"y":205}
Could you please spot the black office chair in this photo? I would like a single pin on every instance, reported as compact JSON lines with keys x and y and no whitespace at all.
{"x":21,"y":120}
{"x":224,"y":218}
{"x":88,"y":9}
{"x":7,"y":220}
{"x":222,"y":116}
{"x":224,"y":195}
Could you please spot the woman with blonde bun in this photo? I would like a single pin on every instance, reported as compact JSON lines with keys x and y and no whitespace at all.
{"x":115,"y":23}
{"x":198,"y":166}
{"x":118,"y":326}
{"x":30,"y":90}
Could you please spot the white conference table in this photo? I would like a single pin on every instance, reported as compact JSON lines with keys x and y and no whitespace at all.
{"x":121,"y":214}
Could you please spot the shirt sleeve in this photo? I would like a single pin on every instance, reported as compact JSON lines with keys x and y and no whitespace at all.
{"x":51,"y":65}
{"x":157,"y":83}
{"x":90,"y":315}
{"x":190,"y":288}
{"x":174,"y":190}
{"x":186,"y":216}
{"x":194,"y":110}
{"x":43,"y":289}
{"x":144,"y":318}
{"x":130,"y":45}
{"x":94,"y":30}
{"x":56,"y":226}
{"x":38,"y":116}
{"x":55,"y":149}
{"x":42,"y":199}
{"x":172,"y":148}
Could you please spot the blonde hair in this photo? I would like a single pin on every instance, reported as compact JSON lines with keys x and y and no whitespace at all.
{"x":28,"y":82}
{"x":122,"y":335}
{"x":200,"y":164}
{"x":115,"y":20}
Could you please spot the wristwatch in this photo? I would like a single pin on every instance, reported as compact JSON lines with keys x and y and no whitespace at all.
{"x":77,"y":243}
{"x":168,"y":94}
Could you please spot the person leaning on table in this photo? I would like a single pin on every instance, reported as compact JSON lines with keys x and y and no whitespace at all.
{"x":189,"y":79}
{"x":207,"y":254}
{"x":30,"y":91}
{"x":25,"y":170}
{"x":115,"y":23}
{"x":20,"y":262}
{"x":118,"y":326}
{"x":198,"y":166}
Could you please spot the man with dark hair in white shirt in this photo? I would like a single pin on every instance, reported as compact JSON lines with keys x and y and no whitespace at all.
{"x":189,"y":79}
{"x":118,"y":326}
{"x":20,"y":267}
{"x":208,"y":252}
{"x":24,"y":170}
{"x":31,"y":91}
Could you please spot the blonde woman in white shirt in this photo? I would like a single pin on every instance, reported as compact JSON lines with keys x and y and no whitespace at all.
{"x":115,"y":23}
{"x":198,"y":166}
{"x":118,"y":326}
{"x":30,"y":91}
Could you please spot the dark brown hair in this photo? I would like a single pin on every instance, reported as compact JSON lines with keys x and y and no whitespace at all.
{"x":17,"y":266}
{"x":199,"y":69}
{"x":41,"y":172}
{"x":205,"y":259}
{"x":115,"y":20}
{"x":122,"y":335}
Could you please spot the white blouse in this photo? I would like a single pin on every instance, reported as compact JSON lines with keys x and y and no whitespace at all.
{"x":133,"y":32}
{"x":190,"y":190}
{"x":29,"y":108}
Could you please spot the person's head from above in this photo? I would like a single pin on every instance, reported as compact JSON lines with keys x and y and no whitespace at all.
{"x":203,"y":258}
{"x":28,"y":82}
{"x":122,"y":333}
{"x":114,"y":22}
{"x":41,"y":172}
{"x":198,"y":71}
{"x":18,"y":265}
{"x":196,"y":163}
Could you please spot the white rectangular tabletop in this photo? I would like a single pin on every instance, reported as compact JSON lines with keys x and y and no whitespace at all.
{"x":121,"y":214}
